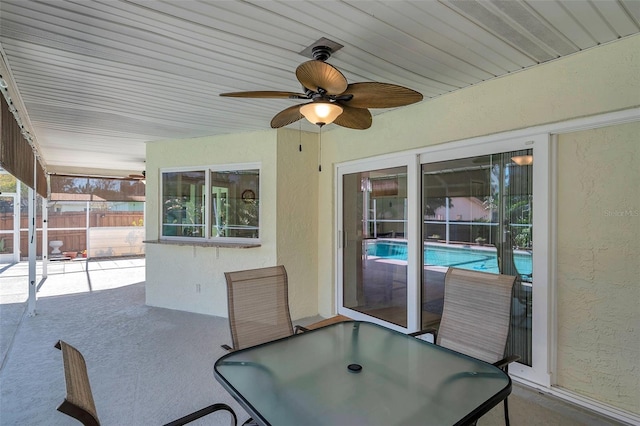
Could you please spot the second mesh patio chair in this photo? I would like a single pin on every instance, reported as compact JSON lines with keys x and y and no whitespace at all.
{"x":258,"y":304}
{"x":79,"y":402}
{"x":475,"y":317}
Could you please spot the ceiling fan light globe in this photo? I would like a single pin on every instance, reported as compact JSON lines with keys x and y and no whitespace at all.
{"x":523,"y":160}
{"x":321,"y":112}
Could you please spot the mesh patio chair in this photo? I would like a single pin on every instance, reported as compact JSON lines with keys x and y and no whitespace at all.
{"x":258,"y":304}
{"x":79,"y":402}
{"x":475,"y":317}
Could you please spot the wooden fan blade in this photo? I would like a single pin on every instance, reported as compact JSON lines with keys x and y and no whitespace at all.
{"x":286,"y":117}
{"x":317,"y":74}
{"x":354,"y":118}
{"x":380,"y":95}
{"x":266,"y":94}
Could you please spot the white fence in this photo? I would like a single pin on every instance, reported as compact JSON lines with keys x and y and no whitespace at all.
{"x":115,"y":241}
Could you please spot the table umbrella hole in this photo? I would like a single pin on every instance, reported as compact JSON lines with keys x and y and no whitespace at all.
{"x":354,"y":368}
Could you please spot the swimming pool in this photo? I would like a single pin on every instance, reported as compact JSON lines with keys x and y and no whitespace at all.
{"x":465,"y":257}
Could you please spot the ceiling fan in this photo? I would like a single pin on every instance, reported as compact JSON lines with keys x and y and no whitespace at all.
{"x":333,"y":100}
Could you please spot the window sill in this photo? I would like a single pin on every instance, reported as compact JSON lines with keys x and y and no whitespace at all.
{"x":203,"y":244}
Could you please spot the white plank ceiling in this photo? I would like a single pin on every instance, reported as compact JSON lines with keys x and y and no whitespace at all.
{"x":94,"y":80}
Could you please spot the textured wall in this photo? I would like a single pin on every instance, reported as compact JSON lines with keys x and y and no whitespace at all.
{"x":288,"y":222}
{"x":175,"y":272}
{"x":297,"y":218}
{"x":599,"y":264}
{"x":595,"y":81}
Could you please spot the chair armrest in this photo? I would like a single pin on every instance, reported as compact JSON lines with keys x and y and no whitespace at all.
{"x":299,"y":329}
{"x":504,"y":363}
{"x":431,"y":330}
{"x":203,"y":412}
{"x":227,"y":348}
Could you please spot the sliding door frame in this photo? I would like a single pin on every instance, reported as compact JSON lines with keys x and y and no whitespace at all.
{"x":410,"y":161}
{"x":541,"y":237}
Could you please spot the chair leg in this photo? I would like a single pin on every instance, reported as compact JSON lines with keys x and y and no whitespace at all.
{"x":506,"y":412}
{"x":203,"y":412}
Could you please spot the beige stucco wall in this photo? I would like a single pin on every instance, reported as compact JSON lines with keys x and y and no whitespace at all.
{"x":598,"y":284}
{"x":174,"y":272}
{"x":603,"y":79}
{"x":297,"y":218}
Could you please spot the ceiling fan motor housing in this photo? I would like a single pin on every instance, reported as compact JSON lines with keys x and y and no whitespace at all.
{"x":321,"y":53}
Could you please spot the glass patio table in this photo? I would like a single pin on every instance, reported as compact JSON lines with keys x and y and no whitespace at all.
{"x":359,"y":373}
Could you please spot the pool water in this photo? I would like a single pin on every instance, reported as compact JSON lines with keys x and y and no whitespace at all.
{"x":460,"y":257}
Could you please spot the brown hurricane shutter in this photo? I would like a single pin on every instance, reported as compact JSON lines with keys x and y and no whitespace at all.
{"x":16,"y":155}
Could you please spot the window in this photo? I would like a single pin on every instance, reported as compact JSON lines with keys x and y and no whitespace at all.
{"x":234,"y":204}
{"x":232,"y":211}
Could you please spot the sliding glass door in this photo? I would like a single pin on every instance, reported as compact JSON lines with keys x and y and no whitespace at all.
{"x":374,"y":217}
{"x":404,"y":221}
{"x":478,"y":215}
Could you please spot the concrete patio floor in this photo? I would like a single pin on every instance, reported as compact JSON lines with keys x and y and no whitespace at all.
{"x":147,"y":365}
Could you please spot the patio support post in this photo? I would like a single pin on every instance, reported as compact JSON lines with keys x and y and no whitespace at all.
{"x":16,"y":221}
{"x":374,"y":215}
{"x":405,"y":219}
{"x":31,"y":309}
{"x":87,"y":233}
{"x":447,"y":223}
{"x":45,"y":238}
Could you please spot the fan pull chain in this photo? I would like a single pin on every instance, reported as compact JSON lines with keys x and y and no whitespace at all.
{"x":300,"y":136}
{"x":320,"y":151}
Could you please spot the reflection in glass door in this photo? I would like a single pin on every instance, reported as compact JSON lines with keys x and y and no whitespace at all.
{"x":375,"y":246}
{"x":478,"y":216}
{"x":220,"y":210}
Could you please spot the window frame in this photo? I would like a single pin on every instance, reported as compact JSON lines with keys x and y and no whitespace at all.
{"x":208,"y":211}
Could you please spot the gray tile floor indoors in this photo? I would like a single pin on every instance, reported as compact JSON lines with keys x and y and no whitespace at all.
{"x":147,"y":365}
